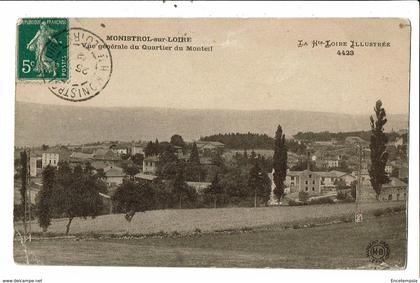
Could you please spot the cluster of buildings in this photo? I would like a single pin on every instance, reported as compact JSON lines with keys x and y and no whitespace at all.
{"x":326,"y":158}
{"x":110,"y":157}
{"x":329,"y":165}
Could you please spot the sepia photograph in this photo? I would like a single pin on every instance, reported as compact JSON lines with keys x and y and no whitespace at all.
{"x":212,"y":142}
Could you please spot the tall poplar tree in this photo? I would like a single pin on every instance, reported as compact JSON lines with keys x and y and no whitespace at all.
{"x":378,"y":154}
{"x":279,"y":162}
{"x":45,"y":204}
{"x":23,"y":188}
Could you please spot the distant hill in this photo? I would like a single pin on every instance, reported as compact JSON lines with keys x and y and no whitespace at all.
{"x":38,"y":124}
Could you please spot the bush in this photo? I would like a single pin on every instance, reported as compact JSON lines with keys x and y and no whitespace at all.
{"x":347,"y":219}
{"x":322,"y":201}
{"x":348,"y":199}
{"x":341,"y":195}
{"x":303,"y":196}
{"x":378,"y":212}
{"x":399,"y":208}
{"x":175,"y":234}
{"x":295,"y":203}
{"x":388,"y":210}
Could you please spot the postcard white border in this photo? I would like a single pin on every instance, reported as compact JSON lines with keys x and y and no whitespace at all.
{"x":10,"y":12}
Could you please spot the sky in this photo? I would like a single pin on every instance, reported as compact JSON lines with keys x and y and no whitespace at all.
{"x":255,"y":64}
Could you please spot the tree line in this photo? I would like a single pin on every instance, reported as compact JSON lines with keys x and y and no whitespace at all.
{"x":248,"y":141}
{"x":340,"y":136}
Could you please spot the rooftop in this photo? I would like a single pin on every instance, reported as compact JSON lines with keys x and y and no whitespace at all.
{"x":148,"y":177}
{"x":394,"y":182}
{"x":152,"y":158}
{"x":114,"y":172}
{"x":214,"y":143}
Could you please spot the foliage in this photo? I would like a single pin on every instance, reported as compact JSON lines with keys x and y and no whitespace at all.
{"x":340,"y":184}
{"x":325,"y":200}
{"x":163,"y":196}
{"x":23,"y":176}
{"x":252,"y":141}
{"x":303,"y":196}
{"x":296,"y":203}
{"x":234,"y":184}
{"x":378,"y":154}
{"x":168,"y":164}
{"x":194,"y":171}
{"x":45,"y":197}
{"x":177,"y":140}
{"x":194,"y":155}
{"x":152,"y":148}
{"x":341,"y":195}
{"x":19,"y":211}
{"x":353,"y":187}
{"x":179,"y":187}
{"x":131,"y":170}
{"x":76,"y":193}
{"x":279,"y":162}
{"x":215,"y":190}
{"x":125,"y":156}
{"x":137,"y":159}
{"x":340,"y":136}
{"x":131,"y":197}
{"x":259,"y":184}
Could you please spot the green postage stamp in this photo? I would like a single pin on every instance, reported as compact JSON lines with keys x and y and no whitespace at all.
{"x":42,"y":51}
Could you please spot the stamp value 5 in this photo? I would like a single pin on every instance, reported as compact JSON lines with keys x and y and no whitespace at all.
{"x":40,"y":52}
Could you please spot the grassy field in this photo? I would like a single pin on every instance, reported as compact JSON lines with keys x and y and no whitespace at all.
{"x":188,"y":220}
{"x":331,"y":246}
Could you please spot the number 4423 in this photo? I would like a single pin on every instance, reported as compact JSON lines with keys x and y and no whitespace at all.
{"x":345,"y":52}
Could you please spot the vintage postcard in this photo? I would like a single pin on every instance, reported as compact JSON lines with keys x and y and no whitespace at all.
{"x":212,"y":142}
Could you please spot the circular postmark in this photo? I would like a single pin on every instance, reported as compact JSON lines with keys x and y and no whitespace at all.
{"x":377,"y":251}
{"x":90,"y":65}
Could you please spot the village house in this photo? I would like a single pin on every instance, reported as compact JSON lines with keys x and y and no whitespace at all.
{"x":403,"y":172}
{"x":137,"y":149}
{"x":355,"y":140}
{"x":122,"y":150}
{"x":326,"y":143}
{"x":145,"y":177}
{"x":114,"y":176}
{"x":399,"y":141}
{"x":303,"y":181}
{"x":105,"y":155}
{"x":388,"y":169}
{"x":327,"y":163}
{"x":395,"y":190}
{"x":209,"y":147}
{"x":150,"y":164}
{"x":50,"y":157}
{"x":35,"y":166}
{"x":364,"y":176}
{"x":80,"y":158}
{"x":100,"y":164}
{"x":199,"y":187}
{"x":316,"y":182}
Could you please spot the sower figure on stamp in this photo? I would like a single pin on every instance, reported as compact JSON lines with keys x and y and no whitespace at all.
{"x":38,"y":45}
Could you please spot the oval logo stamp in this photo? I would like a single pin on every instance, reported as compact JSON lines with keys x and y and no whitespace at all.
{"x":377,"y":251}
{"x":90,"y":63}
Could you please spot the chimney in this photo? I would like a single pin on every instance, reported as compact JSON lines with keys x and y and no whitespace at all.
{"x":308,"y":160}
